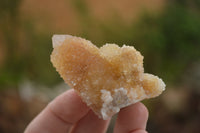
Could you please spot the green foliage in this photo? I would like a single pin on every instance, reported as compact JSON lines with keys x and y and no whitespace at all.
{"x":169,"y":41}
{"x":172,"y":40}
{"x":9,"y":7}
{"x":27,"y":52}
{"x":9,"y":25}
{"x":39,"y":67}
{"x":81,"y":7}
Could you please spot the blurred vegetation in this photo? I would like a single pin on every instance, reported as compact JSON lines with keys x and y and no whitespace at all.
{"x":9,"y":25}
{"x":170,"y":41}
{"x":27,"y":52}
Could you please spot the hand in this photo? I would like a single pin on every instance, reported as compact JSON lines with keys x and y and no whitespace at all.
{"x":67,"y":113}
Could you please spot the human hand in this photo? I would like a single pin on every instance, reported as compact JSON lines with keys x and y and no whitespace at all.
{"x":67,"y":113}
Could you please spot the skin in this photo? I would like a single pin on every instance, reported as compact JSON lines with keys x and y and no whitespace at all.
{"x":67,"y":113}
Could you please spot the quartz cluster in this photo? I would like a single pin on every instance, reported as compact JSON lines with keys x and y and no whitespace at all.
{"x":106,"y":78}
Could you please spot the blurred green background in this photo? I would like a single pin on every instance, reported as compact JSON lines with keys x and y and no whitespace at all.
{"x":167,"y":32}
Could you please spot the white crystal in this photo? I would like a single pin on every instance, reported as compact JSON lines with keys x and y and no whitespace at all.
{"x":59,"y":39}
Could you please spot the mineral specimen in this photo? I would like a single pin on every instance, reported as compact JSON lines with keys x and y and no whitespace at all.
{"x":106,"y":78}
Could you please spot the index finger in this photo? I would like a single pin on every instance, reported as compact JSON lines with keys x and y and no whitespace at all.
{"x":59,"y":115}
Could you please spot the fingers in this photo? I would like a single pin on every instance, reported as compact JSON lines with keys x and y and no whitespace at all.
{"x":132,"y":119}
{"x":59,"y":115}
{"x":90,"y":124}
{"x":138,"y":131}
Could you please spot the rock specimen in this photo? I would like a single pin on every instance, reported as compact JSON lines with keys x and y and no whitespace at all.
{"x":106,"y":78}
